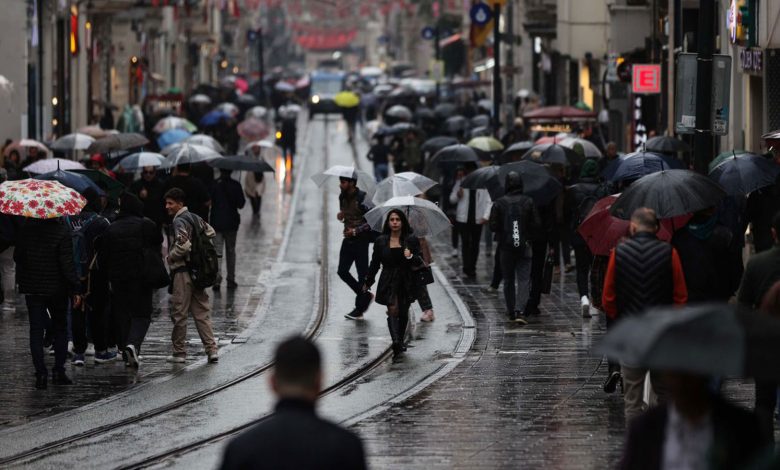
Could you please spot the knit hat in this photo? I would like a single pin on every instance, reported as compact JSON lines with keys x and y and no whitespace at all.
{"x":590,"y":169}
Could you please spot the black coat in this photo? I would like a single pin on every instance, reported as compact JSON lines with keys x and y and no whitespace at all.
{"x":529,"y":215}
{"x":762,"y":270}
{"x":712,"y":266}
{"x":44,"y":259}
{"x":153,"y":209}
{"x":395,"y":280}
{"x":295,"y":438}
{"x":121,"y":251}
{"x":736,"y":440}
{"x":762,"y":205}
{"x":227,"y":198}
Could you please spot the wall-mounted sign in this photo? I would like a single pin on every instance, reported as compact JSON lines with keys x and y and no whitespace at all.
{"x":480,"y":14}
{"x":732,"y":20}
{"x":685,"y":96}
{"x":646,"y":79}
{"x":751,"y":60}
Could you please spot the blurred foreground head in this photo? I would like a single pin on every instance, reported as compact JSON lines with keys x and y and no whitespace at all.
{"x":643,"y":219}
{"x":297,"y":370}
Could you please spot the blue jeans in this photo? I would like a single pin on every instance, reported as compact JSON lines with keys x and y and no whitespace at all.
{"x":380,"y":171}
{"x":39,"y":307}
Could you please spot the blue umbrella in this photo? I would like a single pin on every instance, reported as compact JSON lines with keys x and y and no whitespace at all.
{"x":744,"y":173}
{"x":213,"y":118}
{"x":172,"y":136}
{"x":75,"y":181}
{"x":638,"y":164}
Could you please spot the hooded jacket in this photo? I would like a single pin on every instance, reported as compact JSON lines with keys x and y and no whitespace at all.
{"x":44,"y":259}
{"x":121,"y":254}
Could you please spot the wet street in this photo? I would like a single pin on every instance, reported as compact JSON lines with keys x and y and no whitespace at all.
{"x":473,"y":391}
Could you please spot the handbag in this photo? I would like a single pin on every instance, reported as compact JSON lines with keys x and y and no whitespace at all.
{"x":154,"y":273}
{"x":547,"y":274}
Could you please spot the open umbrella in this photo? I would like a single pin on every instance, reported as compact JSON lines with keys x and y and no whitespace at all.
{"x":553,"y":154}
{"x":241,"y":163}
{"x":480,"y":131}
{"x":398,"y":128}
{"x":246,"y":100}
{"x":743,"y":174}
{"x":666,"y":144}
{"x":602,"y":231}
{"x":204,"y":140}
{"x":24,"y":144}
{"x":214,"y":118}
{"x":257,"y":112}
{"x":93,"y":131}
{"x":480,"y":120}
{"x":228,"y":108}
{"x":284,"y":87}
{"x":174,"y":122}
{"x":457,"y":153}
{"x":253,"y":129}
{"x":199,"y":99}
{"x":723,"y":156}
{"x":346,"y":99}
{"x":425,"y":217}
{"x":265,"y":144}
{"x":289,"y":111}
{"x":170,"y":138}
{"x":422,"y":113}
{"x":636,"y":165}
{"x":72,"y":180}
{"x":434,"y":144}
{"x":189,"y":154}
{"x":589,"y":149}
{"x":715,"y":339}
{"x":445,"y":110}
{"x":52,"y":164}
{"x":365,"y":181}
{"x":407,"y":183}
{"x":669,"y":193}
{"x":111,"y":186}
{"x":39,"y":199}
{"x":486,"y":144}
{"x":139,"y":160}
{"x":123,"y":141}
{"x":399,"y":112}
{"x":454,"y":124}
{"x":73,"y":141}
{"x":515,"y":151}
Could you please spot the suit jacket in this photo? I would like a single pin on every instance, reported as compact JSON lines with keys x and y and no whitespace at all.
{"x":294,"y":437}
{"x":736,"y":442}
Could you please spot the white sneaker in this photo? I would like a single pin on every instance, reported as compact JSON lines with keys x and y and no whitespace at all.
{"x":214,"y":357}
{"x":90,"y":350}
{"x":71,"y":349}
{"x":585,"y":306}
{"x":176,"y":359}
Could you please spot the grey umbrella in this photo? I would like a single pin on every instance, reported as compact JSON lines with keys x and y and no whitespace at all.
{"x":666,"y":144}
{"x":188,"y":154}
{"x":241,"y":163}
{"x":73,"y":141}
{"x":457,"y":153}
{"x":114,"y":142}
{"x":399,"y":112}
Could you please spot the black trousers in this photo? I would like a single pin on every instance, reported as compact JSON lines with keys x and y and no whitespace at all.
{"x":766,"y":401}
{"x":131,"y":305}
{"x":470,"y":236}
{"x":498,"y":274}
{"x":539,"y":250}
{"x":99,"y":315}
{"x":39,"y":307}
{"x":355,"y":251}
{"x":256,"y":202}
{"x":584,"y":261}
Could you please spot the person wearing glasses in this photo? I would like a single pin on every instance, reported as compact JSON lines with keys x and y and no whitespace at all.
{"x":149,"y":189}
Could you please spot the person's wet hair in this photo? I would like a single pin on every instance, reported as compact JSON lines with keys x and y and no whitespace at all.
{"x":297,"y":362}
{"x":645,"y":218}
{"x":175,"y":194}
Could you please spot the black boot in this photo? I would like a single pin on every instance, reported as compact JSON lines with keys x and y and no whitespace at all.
{"x":403,"y":322}
{"x":60,"y":378}
{"x":392,"y":325}
{"x":40,"y":381}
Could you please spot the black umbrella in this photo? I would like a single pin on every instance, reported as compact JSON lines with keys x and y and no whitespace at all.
{"x":480,"y":131}
{"x":399,"y":112}
{"x":538,"y":183}
{"x":553,"y":154}
{"x":423,"y":113}
{"x":515,"y":151}
{"x":669,"y":193}
{"x":434,"y":144}
{"x":636,"y":165}
{"x":666,"y":144}
{"x":744,"y":173}
{"x":246,"y":100}
{"x":445,"y":110}
{"x":457,"y":153}
{"x":671,"y":163}
{"x":481,"y":120}
{"x":113,"y":142}
{"x":709,"y":339}
{"x":241,"y":163}
{"x":455,"y":124}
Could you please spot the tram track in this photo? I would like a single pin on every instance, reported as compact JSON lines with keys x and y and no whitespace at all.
{"x":312,"y":331}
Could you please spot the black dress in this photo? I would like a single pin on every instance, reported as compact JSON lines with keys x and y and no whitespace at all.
{"x":396,"y":283}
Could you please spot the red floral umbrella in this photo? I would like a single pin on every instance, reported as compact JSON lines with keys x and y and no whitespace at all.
{"x":602,"y":231}
{"x":39,"y":199}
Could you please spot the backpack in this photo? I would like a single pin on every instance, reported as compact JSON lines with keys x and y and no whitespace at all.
{"x":513,"y":235}
{"x":203,"y":264}
{"x":78,"y":229}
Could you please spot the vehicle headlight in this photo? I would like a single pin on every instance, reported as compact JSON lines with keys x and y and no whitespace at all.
{"x":315,"y":99}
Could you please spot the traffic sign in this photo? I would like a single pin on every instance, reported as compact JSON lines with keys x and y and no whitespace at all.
{"x":646,"y":79}
{"x":428,"y":33}
{"x":480,"y":14}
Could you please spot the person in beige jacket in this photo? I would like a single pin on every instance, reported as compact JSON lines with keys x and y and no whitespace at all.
{"x":185,"y":297}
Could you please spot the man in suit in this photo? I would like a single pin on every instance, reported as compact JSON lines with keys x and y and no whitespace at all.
{"x":694,"y":429}
{"x":294,"y":437}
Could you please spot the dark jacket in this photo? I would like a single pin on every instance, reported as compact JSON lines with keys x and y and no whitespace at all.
{"x":762,"y":205}
{"x":44,"y":259}
{"x":736,"y":440}
{"x":294,"y":438}
{"x":354,"y":207}
{"x":579,"y":199}
{"x":763,"y":270}
{"x":712,"y":264}
{"x":397,"y":279}
{"x":529,"y":217}
{"x":196,"y":195}
{"x":152,"y":207}
{"x":227,"y":198}
{"x":121,"y":253}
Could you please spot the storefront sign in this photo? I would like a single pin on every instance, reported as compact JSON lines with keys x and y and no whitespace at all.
{"x":751,"y":60}
{"x":646,"y":79}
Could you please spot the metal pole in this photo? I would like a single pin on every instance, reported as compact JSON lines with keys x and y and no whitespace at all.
{"x":496,"y":68}
{"x":670,"y":76}
{"x":261,"y":63}
{"x":703,"y":144}
{"x":437,"y":57}
{"x":510,"y":64}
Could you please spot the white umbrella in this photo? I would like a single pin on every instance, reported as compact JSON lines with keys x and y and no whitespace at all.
{"x":188,"y":154}
{"x":257,"y":112}
{"x":139,"y":160}
{"x":425,"y":217}
{"x":200,"y":99}
{"x":53,"y":164}
{"x":364,"y":180}
{"x":289,"y":111}
{"x":174,"y":122}
{"x":284,"y":87}
{"x":228,"y":108}
{"x":407,"y":183}
{"x":197,"y":139}
{"x":75,"y":141}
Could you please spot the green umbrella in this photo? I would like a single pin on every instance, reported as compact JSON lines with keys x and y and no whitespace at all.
{"x":722,"y":157}
{"x":583,"y":106}
{"x":111,"y":186}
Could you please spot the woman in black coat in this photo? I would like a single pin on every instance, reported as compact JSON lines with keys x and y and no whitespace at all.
{"x":397,"y":251}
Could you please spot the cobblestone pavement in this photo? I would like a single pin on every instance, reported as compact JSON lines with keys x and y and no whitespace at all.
{"x":524,"y":397}
{"x":258,"y":242}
